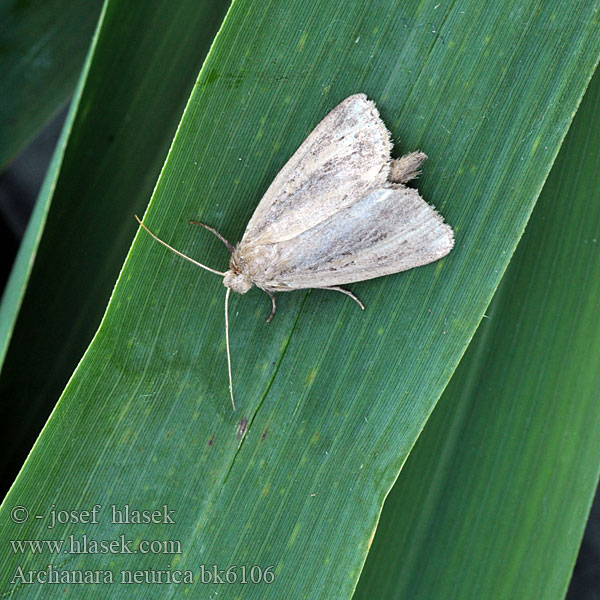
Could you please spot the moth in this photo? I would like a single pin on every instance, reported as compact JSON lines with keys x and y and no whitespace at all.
{"x":338,"y":212}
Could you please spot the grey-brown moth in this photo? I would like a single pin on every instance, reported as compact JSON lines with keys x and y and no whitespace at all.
{"x":338,"y":212}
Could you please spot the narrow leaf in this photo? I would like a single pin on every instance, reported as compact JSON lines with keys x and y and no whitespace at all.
{"x":331,"y":400}
{"x":131,"y":95}
{"x":42,"y":50}
{"x":494,"y":498}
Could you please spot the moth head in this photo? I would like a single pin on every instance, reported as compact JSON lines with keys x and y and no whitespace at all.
{"x":238,"y":282}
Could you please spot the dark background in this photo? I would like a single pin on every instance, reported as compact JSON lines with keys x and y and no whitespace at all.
{"x":19,"y":186}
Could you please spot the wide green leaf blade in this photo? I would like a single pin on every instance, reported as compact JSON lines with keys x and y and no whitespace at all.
{"x":42,"y":49}
{"x":494,"y":497}
{"x":134,"y":87}
{"x":330,"y":400}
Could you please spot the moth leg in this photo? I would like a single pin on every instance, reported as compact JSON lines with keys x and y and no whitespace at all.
{"x":215,"y":232}
{"x":406,"y":168}
{"x":274,"y":305}
{"x":347,"y":292}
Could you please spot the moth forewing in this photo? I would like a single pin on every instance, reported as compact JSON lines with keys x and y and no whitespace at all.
{"x":338,"y":212}
{"x":346,"y":155}
{"x":392,"y":229}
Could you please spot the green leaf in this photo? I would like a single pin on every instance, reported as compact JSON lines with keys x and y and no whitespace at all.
{"x":42,"y":49}
{"x":493,"y":500}
{"x":331,"y":400}
{"x":134,"y":87}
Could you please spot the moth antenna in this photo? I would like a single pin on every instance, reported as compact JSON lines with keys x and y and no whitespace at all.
{"x":227,"y":243}
{"x":227,"y":346}
{"x":177,"y":251}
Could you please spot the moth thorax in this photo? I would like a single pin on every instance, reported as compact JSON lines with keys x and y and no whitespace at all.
{"x":238,"y":282}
